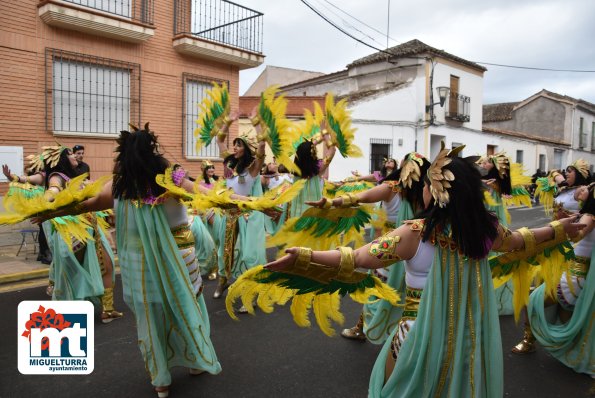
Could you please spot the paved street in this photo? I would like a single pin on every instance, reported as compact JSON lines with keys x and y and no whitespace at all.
{"x":261,"y":356}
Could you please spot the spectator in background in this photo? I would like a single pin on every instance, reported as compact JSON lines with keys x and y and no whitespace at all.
{"x":79,"y":153}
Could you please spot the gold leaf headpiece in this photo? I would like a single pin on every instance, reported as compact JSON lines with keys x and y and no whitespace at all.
{"x":49,"y":155}
{"x":440,"y":177}
{"x":249,"y":141}
{"x":411,"y":169}
{"x":502,"y":164}
{"x":581,"y":166}
{"x":206,"y":164}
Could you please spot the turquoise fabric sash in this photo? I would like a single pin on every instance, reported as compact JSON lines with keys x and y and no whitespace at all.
{"x":312,"y":191}
{"x":572,"y":343}
{"x":380,"y":318}
{"x":172,"y":325}
{"x":454,"y":348}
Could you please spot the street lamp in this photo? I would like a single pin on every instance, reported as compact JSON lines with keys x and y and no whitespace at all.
{"x":442,"y":93}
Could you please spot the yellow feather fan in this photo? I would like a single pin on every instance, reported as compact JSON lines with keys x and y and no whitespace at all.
{"x":75,"y":192}
{"x":338,"y":123}
{"x":268,"y":288}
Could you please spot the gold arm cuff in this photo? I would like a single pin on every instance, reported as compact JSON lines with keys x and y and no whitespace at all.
{"x":528,"y":238}
{"x":303,"y":259}
{"x":221,"y":135}
{"x":15,"y":178}
{"x":328,"y":204}
{"x":347,"y":263}
{"x":348,"y":200}
{"x":255,"y":120}
{"x":559,"y":234}
{"x":259,"y":156}
{"x":224,"y":154}
{"x":227,"y":121}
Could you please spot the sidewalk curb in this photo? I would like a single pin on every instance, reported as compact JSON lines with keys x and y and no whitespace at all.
{"x":23,"y":276}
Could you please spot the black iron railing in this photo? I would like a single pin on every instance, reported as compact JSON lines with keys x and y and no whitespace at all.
{"x":220,"y":21}
{"x":135,"y":10}
{"x":458,"y":107}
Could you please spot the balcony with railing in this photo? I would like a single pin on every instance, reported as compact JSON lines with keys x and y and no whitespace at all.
{"x":127,"y":20}
{"x":219,"y":30}
{"x":458,"y":107}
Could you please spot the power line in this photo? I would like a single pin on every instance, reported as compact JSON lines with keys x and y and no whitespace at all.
{"x":388,"y":53}
{"x":536,"y":68}
{"x":362,"y":22}
{"x":341,"y":29}
{"x":348,"y":24}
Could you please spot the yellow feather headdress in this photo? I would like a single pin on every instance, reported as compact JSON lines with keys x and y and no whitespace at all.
{"x":502,"y":164}
{"x":440,"y":177}
{"x":410,"y":170}
{"x":49,"y":155}
{"x":581,"y":166}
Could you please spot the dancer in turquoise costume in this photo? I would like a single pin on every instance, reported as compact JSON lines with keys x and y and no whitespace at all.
{"x":80,"y":269}
{"x":388,"y":167}
{"x":401,"y":196}
{"x":313,"y":170}
{"x":453,"y":348}
{"x":557,"y":194}
{"x":571,"y":337}
{"x":211,"y":219}
{"x":162,"y":285}
{"x":274,"y":176}
{"x":242,"y":235}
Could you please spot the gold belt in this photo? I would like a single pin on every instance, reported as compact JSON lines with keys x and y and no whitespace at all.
{"x":183,"y":236}
{"x":412,"y":299}
{"x":580,"y":266}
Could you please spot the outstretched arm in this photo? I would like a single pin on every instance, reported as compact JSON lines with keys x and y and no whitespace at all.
{"x":372,"y":195}
{"x":35,"y":179}
{"x":222,"y":134}
{"x":400,"y":244}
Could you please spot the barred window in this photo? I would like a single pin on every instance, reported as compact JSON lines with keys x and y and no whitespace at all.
{"x":195,"y":90}
{"x":89,"y":94}
{"x":380,"y":149}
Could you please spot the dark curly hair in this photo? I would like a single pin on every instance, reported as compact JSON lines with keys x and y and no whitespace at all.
{"x":63,"y":166}
{"x":239,"y":164}
{"x":137,"y":164}
{"x":205,"y":176}
{"x":384,"y":171}
{"x":306,"y":161}
{"x":465,"y":218}
{"x":588,"y":206}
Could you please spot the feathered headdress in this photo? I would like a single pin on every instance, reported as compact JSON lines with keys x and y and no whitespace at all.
{"x":338,"y":122}
{"x":215,"y":108}
{"x":581,"y":166}
{"x":50,"y":155}
{"x":205,"y":165}
{"x":440,"y":177}
{"x":502,"y":164}
{"x":411,"y":169}
{"x":249,"y":141}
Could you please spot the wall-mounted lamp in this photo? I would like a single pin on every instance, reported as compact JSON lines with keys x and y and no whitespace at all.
{"x":442,"y":94}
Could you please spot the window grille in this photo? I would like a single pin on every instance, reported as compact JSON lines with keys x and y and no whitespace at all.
{"x":195,"y":90}
{"x":136,"y":10}
{"x":379,"y":150}
{"x":88,"y":94}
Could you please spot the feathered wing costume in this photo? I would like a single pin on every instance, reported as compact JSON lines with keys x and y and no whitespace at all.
{"x":215,"y":109}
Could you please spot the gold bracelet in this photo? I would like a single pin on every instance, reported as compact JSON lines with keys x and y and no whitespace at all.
{"x":261,"y":136}
{"x":528,"y":238}
{"x":15,"y":178}
{"x":255,"y":120}
{"x":221,"y":135}
{"x":349,"y":200}
{"x":260,"y":156}
{"x":302,"y":262}
{"x":559,"y":233}
{"x":227,"y":121}
{"x":346,"y":264}
{"x":328,"y":204}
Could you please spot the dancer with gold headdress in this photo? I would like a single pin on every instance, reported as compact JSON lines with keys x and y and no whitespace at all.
{"x":401,"y":196}
{"x":453,"y":349}
{"x":557,"y":194}
{"x":83,"y":262}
